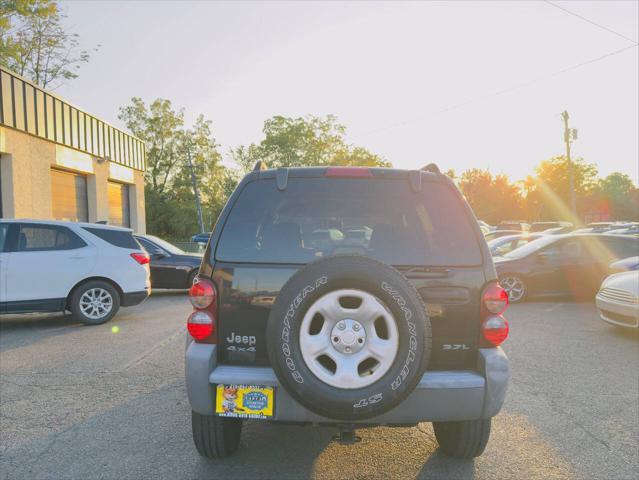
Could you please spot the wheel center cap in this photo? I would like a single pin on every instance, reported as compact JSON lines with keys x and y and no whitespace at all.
{"x":348,"y":336}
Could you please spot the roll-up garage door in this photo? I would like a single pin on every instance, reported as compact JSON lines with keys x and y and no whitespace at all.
{"x":69,"y":196}
{"x":119,"y":204}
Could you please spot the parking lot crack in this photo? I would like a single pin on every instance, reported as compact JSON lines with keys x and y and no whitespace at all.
{"x":140,"y":358}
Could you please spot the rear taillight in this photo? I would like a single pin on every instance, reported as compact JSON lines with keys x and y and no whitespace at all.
{"x":494,"y":327}
{"x":201,"y":323}
{"x":495,"y":331}
{"x":348,"y":172}
{"x":495,"y":299}
{"x":202,"y":293}
{"x":141,"y":258}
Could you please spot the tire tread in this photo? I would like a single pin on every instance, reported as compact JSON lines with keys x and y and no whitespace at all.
{"x":466,"y":439}
{"x":215,"y":437}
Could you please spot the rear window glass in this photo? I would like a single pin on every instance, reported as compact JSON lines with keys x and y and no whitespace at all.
{"x":118,"y":238}
{"x":381,"y":218}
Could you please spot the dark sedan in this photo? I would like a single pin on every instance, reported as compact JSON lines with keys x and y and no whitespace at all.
{"x":562,"y":264}
{"x":171,"y":267}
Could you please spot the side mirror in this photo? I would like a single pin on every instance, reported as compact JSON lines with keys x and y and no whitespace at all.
{"x":157,"y":254}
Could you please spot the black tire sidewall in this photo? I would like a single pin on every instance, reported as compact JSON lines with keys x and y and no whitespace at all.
{"x":348,"y":272}
{"x":79,"y":291}
{"x":191,"y":278}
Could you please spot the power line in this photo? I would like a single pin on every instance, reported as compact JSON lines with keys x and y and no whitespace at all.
{"x":609,"y":30}
{"x":495,"y":94}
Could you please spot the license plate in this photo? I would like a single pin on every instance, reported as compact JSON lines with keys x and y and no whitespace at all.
{"x":244,"y":401}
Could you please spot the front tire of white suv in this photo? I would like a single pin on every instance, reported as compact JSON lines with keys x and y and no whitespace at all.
{"x":465,"y":439}
{"x":94,"y":302}
{"x":215,"y":437}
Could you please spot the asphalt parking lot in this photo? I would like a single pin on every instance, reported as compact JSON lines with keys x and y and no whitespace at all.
{"x":85,"y":402}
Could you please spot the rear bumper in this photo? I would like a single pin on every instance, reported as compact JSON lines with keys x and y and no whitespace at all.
{"x":134,"y":298}
{"x":439,"y":396}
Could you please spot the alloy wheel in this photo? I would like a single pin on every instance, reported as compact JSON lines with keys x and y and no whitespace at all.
{"x":514,"y":286}
{"x":96,"y":303}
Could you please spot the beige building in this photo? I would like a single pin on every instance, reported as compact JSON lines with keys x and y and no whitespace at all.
{"x":58,"y":162}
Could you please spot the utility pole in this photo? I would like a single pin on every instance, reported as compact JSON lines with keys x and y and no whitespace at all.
{"x":568,"y":136}
{"x":196,"y":191}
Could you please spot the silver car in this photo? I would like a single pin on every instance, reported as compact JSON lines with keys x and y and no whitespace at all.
{"x":618,"y":299}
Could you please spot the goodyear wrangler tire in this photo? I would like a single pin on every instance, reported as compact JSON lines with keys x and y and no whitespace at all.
{"x":348,"y":337}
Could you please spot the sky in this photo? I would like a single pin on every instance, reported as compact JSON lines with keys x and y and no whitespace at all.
{"x":461,"y":84}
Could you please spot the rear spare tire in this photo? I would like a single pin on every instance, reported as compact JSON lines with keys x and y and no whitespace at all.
{"x":348,"y":337}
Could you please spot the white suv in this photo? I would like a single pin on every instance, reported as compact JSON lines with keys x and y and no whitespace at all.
{"x":89,"y":269}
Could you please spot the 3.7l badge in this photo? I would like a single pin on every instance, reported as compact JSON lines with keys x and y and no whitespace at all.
{"x":455,"y":346}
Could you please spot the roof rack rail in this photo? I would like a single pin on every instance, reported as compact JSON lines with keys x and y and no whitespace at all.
{"x":432,"y":168}
{"x":260,"y":165}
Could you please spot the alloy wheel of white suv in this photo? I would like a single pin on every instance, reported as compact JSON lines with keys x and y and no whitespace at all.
{"x":95,"y":302}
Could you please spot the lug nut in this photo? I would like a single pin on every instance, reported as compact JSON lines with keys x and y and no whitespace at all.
{"x":348,"y":349}
{"x":341,"y":325}
{"x":356,"y":327}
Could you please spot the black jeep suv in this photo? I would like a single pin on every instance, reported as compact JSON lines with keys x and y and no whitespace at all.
{"x":346,"y":296}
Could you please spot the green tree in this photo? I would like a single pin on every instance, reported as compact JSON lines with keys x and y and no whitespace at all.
{"x":308,"y":141}
{"x":170,"y":198}
{"x":493,"y":198}
{"x":622,"y":196}
{"x":34,"y":44}
{"x":548,"y":192}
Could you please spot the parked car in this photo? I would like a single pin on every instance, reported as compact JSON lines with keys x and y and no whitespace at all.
{"x":624,"y":265}
{"x":52,"y":266}
{"x":558,"y":230}
{"x":618,"y":299}
{"x":595,"y":227}
{"x":485,"y":228}
{"x":542,"y":226}
{"x":347,"y":341}
{"x":561,"y":264}
{"x":171,"y":267}
{"x":502,"y":245}
{"x":629,"y":229}
{"x":600,"y":224}
{"x":500,"y":233}
{"x":514,"y":225}
{"x":201,"y":237}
